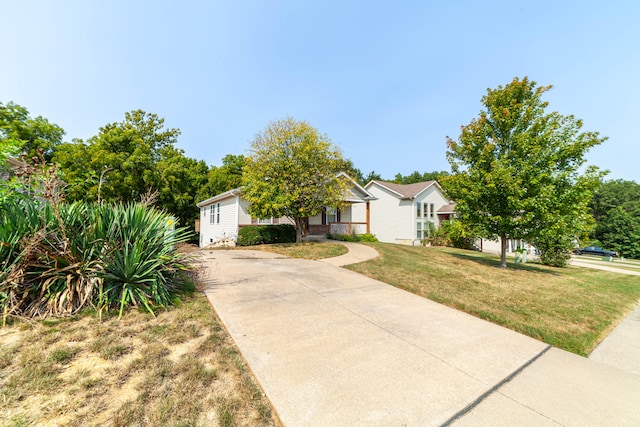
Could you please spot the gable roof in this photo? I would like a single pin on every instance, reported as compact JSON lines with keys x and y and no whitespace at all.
{"x":218,"y":197}
{"x":356,"y":193}
{"x":405,"y":191}
{"x":447,"y":209}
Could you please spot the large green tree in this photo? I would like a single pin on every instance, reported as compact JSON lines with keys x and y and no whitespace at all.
{"x":516,"y":170}
{"x":130,"y":159}
{"x":31,"y":136}
{"x":291,"y":171}
{"x":419,"y":177}
{"x":616,"y":209}
{"x":30,"y":140}
{"x":222,"y":178}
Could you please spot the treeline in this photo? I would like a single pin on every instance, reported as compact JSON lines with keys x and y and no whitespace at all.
{"x":616,"y":210}
{"x":128,"y":160}
{"x":137,"y":157}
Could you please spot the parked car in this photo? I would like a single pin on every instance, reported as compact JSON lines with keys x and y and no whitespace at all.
{"x":596,"y":250}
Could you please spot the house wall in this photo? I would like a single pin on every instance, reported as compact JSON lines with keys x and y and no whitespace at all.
{"x":244,"y":217}
{"x":391,"y":218}
{"x":225,"y":228}
{"x":395,"y":221}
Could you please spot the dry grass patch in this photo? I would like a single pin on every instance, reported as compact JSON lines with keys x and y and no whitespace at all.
{"x":571,"y":308}
{"x":306,"y":250}
{"x":180,"y":368}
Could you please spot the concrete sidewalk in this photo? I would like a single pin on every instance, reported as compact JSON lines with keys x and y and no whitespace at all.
{"x":333,"y":348}
{"x":621,"y":348}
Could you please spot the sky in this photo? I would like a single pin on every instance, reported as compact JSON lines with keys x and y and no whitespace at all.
{"x":386,"y":81}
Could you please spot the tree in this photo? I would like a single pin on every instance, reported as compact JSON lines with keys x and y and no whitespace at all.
{"x":29,"y":135}
{"x":223,"y":178}
{"x":179,"y":180}
{"x":291,"y":171}
{"x":516,"y":170}
{"x":419,"y":177}
{"x":616,"y":209}
{"x":130,"y":159}
{"x":121,"y":161}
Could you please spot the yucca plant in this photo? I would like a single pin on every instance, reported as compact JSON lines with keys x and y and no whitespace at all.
{"x":59,"y":259}
{"x":140,"y":263}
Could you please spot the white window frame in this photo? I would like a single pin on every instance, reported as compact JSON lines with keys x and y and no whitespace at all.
{"x":332,"y":215}
{"x":212,"y":213}
{"x":218,"y":215}
{"x":265,"y":221}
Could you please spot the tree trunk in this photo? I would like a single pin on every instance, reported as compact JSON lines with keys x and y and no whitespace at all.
{"x":299,"y":222}
{"x":503,"y":251}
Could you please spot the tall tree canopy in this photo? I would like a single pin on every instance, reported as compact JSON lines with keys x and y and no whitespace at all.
{"x":516,"y":171}
{"x":129,"y":159}
{"x":616,"y":208}
{"x":29,"y":135}
{"x":223,"y":178}
{"x":419,"y":177}
{"x":291,"y":171}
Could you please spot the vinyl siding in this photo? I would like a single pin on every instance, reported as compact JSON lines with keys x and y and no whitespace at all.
{"x":394,"y":220}
{"x":391,"y":218}
{"x":227,"y":227}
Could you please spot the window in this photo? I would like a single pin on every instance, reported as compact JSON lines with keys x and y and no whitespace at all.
{"x":332,"y":215}
{"x":212,"y":214}
{"x":419,"y":229}
{"x":265,"y":220}
{"x":218,"y":214}
{"x":432,"y":211}
{"x":418,"y":210}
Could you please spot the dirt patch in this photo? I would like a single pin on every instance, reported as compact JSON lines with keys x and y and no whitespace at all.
{"x":180,"y":367}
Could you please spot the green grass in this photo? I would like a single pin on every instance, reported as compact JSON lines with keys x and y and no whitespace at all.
{"x":572,"y":308}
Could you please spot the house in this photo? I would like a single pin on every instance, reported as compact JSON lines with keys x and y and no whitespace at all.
{"x":221,"y":216}
{"x":401,"y":213}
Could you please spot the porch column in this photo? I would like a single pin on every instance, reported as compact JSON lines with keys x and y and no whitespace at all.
{"x":368,"y":219}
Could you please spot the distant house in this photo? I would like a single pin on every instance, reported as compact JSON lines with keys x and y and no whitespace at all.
{"x":401,"y":213}
{"x":222,"y":216}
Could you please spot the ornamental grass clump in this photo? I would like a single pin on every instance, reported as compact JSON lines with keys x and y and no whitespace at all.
{"x":57,"y":258}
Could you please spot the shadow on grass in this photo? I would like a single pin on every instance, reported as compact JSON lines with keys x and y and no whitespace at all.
{"x":481,"y":258}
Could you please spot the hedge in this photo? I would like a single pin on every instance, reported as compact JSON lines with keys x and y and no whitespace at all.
{"x":266,"y":234}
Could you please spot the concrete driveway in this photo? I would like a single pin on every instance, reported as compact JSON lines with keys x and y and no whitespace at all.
{"x":332,"y":348}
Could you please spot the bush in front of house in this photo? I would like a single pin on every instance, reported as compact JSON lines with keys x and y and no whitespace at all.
{"x":266,"y":234}
{"x":368,"y":237}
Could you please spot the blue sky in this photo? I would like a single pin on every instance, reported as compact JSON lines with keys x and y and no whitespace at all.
{"x":386,"y":81}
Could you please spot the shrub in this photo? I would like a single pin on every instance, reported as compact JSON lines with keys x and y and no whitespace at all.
{"x":458,"y":235}
{"x":286,"y":233}
{"x":368,"y":237}
{"x":57,"y":259}
{"x":266,"y":234}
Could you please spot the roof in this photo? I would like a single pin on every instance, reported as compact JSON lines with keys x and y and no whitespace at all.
{"x":405,"y":191}
{"x":447,"y":209}
{"x":355,"y":194}
{"x":218,"y":197}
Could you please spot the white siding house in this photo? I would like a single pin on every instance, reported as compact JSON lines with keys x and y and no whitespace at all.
{"x":401,"y":213}
{"x":223,"y":215}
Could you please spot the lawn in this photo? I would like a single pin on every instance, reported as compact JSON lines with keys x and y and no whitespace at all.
{"x":571,"y":308}
{"x":307,"y":250}
{"x":180,"y":368}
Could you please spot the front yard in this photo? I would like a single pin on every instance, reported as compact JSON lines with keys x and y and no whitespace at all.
{"x":180,"y":368}
{"x":570,"y":308}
